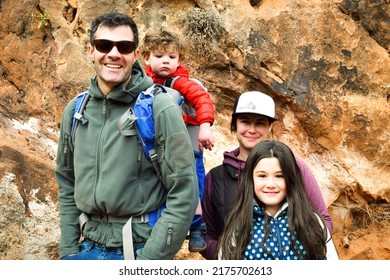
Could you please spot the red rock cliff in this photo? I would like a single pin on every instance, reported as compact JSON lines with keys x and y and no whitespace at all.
{"x":326,"y":64}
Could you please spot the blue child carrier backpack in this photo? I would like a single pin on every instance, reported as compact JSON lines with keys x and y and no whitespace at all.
{"x":144,"y":122}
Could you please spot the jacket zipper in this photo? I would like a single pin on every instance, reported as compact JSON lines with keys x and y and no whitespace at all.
{"x":65,"y":151}
{"x":169,"y":237}
{"x":278,"y":238}
{"x":99,"y":147}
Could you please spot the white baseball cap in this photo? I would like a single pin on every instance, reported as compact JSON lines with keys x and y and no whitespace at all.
{"x":255,"y":102}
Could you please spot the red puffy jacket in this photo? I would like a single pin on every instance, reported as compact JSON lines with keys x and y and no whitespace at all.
{"x":194,"y":93}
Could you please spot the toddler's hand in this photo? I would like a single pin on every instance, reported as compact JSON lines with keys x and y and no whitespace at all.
{"x":205,"y":139}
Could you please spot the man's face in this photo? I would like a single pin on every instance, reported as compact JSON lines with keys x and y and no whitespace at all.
{"x":113,"y":67}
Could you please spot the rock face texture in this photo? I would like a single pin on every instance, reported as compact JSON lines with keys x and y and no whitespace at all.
{"x":325,"y":63}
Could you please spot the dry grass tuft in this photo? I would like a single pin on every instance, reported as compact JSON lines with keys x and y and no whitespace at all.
{"x":365,"y":215}
{"x":203,"y":31}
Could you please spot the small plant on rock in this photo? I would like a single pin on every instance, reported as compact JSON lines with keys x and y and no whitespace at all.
{"x":44,"y":19}
{"x":203,"y":30}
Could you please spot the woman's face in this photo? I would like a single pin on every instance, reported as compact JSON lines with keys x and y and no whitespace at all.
{"x":251,"y":129}
{"x":269,"y":184}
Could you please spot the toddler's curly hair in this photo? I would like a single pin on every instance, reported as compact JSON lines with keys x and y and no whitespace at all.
{"x":156,"y":39}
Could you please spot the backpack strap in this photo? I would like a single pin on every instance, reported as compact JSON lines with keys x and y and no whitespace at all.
{"x":148,"y":144}
{"x":169,"y":82}
{"x":78,"y":111}
{"x":130,"y":117}
{"x":188,"y":117}
{"x":142,"y":116}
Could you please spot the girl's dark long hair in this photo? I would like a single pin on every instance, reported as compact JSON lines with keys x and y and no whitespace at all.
{"x":301,"y":217}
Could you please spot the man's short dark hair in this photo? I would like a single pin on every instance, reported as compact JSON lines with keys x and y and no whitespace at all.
{"x":113,"y":19}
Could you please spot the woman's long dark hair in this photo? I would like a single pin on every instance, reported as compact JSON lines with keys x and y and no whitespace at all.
{"x":301,"y":217}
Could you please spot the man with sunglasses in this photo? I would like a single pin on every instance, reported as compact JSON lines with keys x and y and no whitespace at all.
{"x":113,"y":204}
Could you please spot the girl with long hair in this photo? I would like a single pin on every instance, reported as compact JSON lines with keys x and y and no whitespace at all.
{"x":272,"y":217}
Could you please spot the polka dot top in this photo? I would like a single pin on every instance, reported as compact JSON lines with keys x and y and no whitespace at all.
{"x":280,"y":241}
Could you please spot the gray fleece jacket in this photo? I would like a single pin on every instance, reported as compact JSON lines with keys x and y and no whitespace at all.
{"x":106,"y":173}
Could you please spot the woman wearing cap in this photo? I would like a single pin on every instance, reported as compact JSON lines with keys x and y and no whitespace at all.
{"x":252,"y":119}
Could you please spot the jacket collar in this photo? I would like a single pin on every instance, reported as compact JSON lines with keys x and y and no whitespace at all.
{"x":260,"y":211}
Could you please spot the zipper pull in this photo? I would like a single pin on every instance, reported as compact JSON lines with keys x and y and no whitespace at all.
{"x":104,"y":105}
{"x":169,"y":238}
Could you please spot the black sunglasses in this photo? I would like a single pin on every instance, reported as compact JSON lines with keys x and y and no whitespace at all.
{"x":105,"y":46}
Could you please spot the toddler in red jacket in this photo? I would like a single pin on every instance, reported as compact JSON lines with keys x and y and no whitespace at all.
{"x":163,"y":53}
